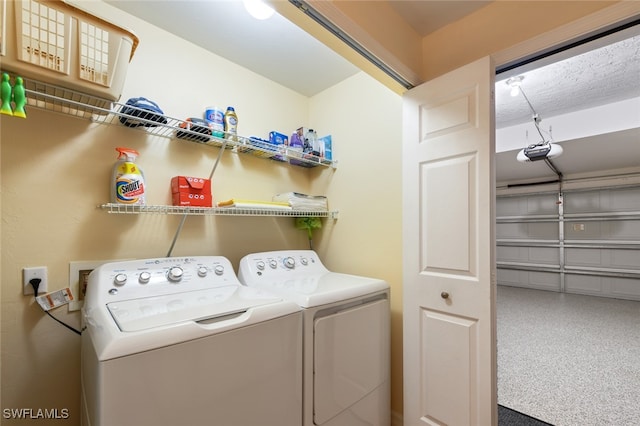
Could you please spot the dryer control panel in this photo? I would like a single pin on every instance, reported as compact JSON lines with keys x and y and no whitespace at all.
{"x":160,"y":276}
{"x":280,"y":265}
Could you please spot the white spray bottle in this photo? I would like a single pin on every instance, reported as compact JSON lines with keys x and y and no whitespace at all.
{"x":127,"y":180}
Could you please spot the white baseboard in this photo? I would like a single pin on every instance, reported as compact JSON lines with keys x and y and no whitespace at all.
{"x":396,"y":419}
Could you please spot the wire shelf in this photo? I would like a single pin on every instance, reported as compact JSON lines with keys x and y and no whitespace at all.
{"x":173,"y":128}
{"x":102,"y":111}
{"x":213,"y":211}
{"x":58,"y":99}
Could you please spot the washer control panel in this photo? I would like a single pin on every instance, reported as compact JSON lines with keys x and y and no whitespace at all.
{"x":286,"y":264}
{"x":145,"y":277}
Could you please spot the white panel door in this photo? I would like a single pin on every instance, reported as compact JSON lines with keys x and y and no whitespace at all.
{"x":448,"y":243}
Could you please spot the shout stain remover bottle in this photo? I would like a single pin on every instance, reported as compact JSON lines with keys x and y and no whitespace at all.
{"x":127,"y":181}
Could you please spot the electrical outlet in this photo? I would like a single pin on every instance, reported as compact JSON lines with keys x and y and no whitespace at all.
{"x":29,"y":273}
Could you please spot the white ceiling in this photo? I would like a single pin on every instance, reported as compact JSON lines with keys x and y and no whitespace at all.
{"x":604,"y":71}
{"x":273,"y":48}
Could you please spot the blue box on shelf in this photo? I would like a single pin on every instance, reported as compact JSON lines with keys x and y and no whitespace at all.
{"x":280,"y":141}
{"x":327,"y":144}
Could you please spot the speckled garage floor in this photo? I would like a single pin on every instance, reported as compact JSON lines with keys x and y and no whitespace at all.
{"x":570,"y":360}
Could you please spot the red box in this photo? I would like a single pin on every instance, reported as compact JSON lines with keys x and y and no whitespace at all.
{"x":191,"y":191}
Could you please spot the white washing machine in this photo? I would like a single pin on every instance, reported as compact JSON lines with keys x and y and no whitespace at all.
{"x":178,"y":341}
{"x":346,"y":335}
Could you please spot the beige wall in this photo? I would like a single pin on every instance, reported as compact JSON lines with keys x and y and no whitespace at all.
{"x":366,"y":188}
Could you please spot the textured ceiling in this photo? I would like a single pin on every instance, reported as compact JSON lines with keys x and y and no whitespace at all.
{"x":598,"y":73}
{"x":606,"y":74}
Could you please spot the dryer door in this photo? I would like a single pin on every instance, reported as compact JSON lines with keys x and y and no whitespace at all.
{"x":351,"y":358}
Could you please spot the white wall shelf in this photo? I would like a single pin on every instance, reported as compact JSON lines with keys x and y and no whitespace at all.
{"x":213,"y":211}
{"x":53,"y":98}
{"x":58,"y":99}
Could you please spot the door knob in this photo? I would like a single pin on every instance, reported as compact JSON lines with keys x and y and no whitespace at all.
{"x":444,"y":295}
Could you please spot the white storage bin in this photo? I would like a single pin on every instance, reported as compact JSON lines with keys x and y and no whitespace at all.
{"x":56,"y":43}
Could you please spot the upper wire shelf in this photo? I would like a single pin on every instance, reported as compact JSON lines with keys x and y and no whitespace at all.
{"x":59,"y":99}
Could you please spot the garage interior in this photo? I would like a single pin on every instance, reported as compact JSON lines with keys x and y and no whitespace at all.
{"x":568,"y":234}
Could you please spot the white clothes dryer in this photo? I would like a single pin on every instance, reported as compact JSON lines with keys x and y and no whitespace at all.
{"x":345,"y":332}
{"x":178,"y":341}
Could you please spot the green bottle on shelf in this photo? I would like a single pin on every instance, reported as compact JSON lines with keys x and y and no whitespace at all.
{"x":19,"y":98}
{"x":6,"y":95}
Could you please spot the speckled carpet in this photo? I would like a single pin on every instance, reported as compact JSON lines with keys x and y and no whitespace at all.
{"x":569,"y":360}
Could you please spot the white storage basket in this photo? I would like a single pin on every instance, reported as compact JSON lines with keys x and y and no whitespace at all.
{"x":56,"y":43}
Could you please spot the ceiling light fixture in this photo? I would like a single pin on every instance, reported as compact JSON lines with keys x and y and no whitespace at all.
{"x":515,"y":83}
{"x":258,"y":9}
{"x":543,"y":150}
{"x":539,"y":151}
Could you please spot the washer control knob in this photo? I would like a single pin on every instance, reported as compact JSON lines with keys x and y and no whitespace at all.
{"x":202,"y":271}
{"x":289,"y":262}
{"x":304,"y":261}
{"x":260,"y":265}
{"x":144,"y":277}
{"x":219,"y":269}
{"x":120,"y":279}
{"x":175,"y":274}
{"x":273,"y":264}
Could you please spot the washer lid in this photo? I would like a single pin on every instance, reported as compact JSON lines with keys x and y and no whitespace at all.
{"x":157,"y":311}
{"x":320,"y":289}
